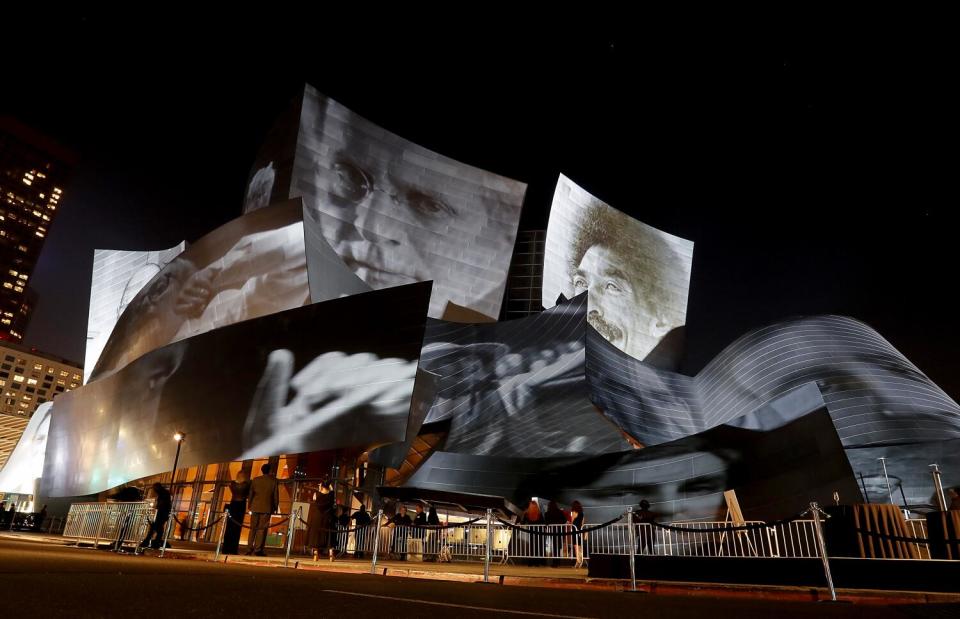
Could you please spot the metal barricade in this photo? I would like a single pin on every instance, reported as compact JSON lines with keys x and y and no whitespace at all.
{"x":109,"y":523}
{"x":917,"y":527}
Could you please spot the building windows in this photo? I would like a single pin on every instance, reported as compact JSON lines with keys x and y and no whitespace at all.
{"x":73,"y":385}
{"x":18,"y":377}
{"x":64,"y":373}
{"x":8,"y":357}
{"x":6,"y":366}
{"x":58,"y":389}
{"x":44,"y":385}
{"x":38,"y":367}
{"x":76,"y":377}
{"x":31,"y":381}
{"x":30,"y":390}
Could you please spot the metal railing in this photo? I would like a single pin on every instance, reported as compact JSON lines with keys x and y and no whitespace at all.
{"x":917,"y":527}
{"x":108,"y":523}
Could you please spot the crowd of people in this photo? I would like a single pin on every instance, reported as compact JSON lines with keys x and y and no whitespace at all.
{"x":10,"y":518}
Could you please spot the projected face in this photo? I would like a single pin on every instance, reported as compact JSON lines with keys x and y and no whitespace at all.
{"x":396,"y":213}
{"x":682,"y":487}
{"x":618,"y":310}
{"x":387,"y":221}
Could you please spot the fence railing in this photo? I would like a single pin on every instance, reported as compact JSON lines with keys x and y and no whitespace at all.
{"x":108,"y":523}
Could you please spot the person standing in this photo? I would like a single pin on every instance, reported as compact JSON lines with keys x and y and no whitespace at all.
{"x":319,"y":521}
{"x":577,"y":520}
{"x":237,"y":509}
{"x":163,"y":505}
{"x":264,"y":500}
{"x":645,"y":518}
{"x":361,"y":521}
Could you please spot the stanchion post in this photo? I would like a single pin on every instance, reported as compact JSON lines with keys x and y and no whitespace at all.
{"x":486,"y":558}
{"x":166,"y":533}
{"x":938,"y":487}
{"x":223,"y":530}
{"x":291,"y":527}
{"x":633,"y":549}
{"x":821,"y":542}
{"x":376,"y":541}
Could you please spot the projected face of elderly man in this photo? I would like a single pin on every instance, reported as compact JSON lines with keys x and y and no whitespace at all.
{"x":621,"y":268}
{"x":397,"y":214}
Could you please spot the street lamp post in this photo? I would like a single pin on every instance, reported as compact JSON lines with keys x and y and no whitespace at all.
{"x":179,"y":437}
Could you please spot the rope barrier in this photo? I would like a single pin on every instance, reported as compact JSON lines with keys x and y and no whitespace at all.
{"x":726,"y":528}
{"x":571,"y":533}
{"x":426,"y":527}
{"x":183,"y":525}
{"x":270,"y":526}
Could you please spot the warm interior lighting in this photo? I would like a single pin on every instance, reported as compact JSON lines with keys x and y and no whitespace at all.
{"x":179,"y":436}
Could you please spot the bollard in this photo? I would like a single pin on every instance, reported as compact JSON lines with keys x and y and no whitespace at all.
{"x":223,"y":529}
{"x":486,"y":559}
{"x":815,"y":512}
{"x":291,"y":527}
{"x":633,"y":549}
{"x":376,"y":541}
{"x":166,"y":534}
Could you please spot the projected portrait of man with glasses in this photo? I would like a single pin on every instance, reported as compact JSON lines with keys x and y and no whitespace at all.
{"x":397,"y":213}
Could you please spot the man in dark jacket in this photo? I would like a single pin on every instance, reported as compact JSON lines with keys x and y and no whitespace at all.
{"x":362,"y":519}
{"x":163,"y":505}
{"x":264,"y":500}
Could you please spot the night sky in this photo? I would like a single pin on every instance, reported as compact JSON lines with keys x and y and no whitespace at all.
{"x":815,"y":174}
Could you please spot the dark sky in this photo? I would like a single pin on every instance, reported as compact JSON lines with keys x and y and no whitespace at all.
{"x":815,"y":172}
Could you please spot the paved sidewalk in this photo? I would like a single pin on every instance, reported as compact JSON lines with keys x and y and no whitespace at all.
{"x":516,"y":575}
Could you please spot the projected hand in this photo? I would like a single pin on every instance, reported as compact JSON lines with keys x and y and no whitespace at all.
{"x":197,"y":291}
{"x":329,"y":388}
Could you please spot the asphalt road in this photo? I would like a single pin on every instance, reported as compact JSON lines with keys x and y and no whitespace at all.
{"x":40,"y":579}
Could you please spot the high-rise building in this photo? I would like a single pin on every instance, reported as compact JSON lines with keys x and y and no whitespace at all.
{"x":28,"y":378}
{"x":525,"y":281}
{"x":33,"y":173}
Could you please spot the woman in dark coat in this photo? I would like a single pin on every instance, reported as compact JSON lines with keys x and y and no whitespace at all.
{"x":577,"y":520}
{"x":239,"y":491}
{"x":320,"y":521}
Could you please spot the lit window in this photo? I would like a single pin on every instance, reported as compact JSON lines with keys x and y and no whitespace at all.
{"x":60,"y":382}
{"x":18,"y":378}
{"x":73,"y":385}
{"x":7,"y":285}
{"x":64,"y":373}
{"x":76,"y":377}
{"x":27,"y":398}
{"x":40,"y":234}
{"x":14,"y":273}
{"x":18,"y":288}
{"x":23,"y":276}
{"x":42,"y":196}
{"x":3,"y":383}
{"x":27,"y":181}
{"x":50,"y":371}
{"x":38,"y":366}
{"x":31,"y":381}
{"x":57,"y":191}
